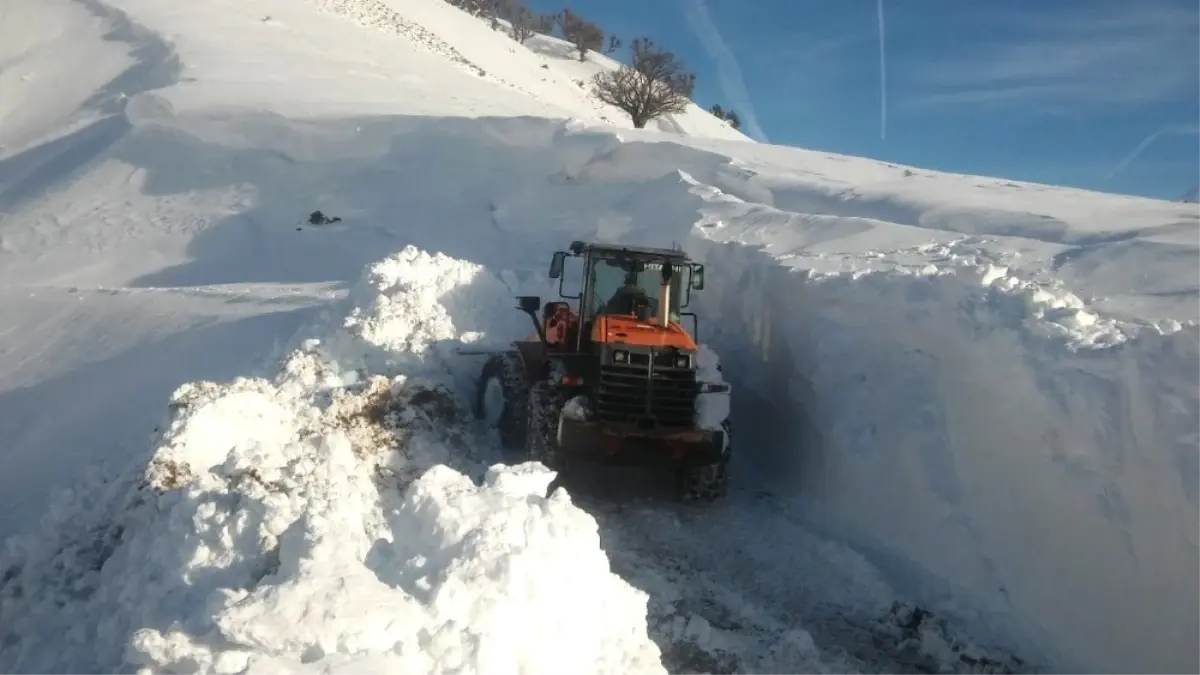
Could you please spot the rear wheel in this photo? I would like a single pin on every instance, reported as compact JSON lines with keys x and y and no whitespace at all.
{"x":502,"y":399}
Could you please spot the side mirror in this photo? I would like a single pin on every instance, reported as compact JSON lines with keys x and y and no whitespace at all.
{"x":556,"y":264}
{"x":698,"y":277}
{"x":530,"y":304}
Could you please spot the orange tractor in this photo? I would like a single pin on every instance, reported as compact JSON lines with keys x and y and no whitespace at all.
{"x":614,"y":378}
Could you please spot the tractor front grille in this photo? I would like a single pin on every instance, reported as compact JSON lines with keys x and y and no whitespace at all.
{"x":647,"y":395}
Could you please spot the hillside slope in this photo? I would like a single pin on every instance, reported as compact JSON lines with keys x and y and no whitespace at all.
{"x":975,"y":395}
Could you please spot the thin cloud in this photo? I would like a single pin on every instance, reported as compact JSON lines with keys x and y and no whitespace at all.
{"x":729,"y":72}
{"x":1172,"y":130}
{"x":814,"y":49}
{"x":1101,"y":54}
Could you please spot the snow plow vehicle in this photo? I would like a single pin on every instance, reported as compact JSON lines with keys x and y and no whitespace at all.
{"x":614,"y":378}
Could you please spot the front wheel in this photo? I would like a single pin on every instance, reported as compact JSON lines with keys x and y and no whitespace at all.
{"x":545,"y":410}
{"x":706,"y":482}
{"x":502,"y":399}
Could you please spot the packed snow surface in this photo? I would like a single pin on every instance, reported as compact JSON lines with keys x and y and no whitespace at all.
{"x":975,"y":395}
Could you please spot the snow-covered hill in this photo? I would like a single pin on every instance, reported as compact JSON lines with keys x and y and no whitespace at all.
{"x":971,"y":395}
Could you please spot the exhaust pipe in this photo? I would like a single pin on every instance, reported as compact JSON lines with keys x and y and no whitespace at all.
{"x":664,"y":297}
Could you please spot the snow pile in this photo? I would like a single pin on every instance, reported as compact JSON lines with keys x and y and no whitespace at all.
{"x":314,"y":523}
{"x":412,"y":311}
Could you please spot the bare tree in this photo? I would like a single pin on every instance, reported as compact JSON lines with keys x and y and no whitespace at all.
{"x":728,"y":115}
{"x":524,"y":23}
{"x":583,"y":34}
{"x":474,"y":7}
{"x":656,"y":84}
{"x":614,"y":43}
{"x":494,"y":9}
{"x":515,"y":12}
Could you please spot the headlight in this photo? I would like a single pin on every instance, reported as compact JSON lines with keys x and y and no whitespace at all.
{"x":683,"y":361}
{"x":620,"y":356}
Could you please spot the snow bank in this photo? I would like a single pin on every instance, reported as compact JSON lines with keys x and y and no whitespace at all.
{"x":322,"y":521}
{"x":987,"y":437}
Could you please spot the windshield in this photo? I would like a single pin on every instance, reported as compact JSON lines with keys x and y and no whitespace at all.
{"x":617,"y":282}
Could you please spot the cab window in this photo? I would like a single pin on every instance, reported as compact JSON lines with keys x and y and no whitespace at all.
{"x":616,"y":283}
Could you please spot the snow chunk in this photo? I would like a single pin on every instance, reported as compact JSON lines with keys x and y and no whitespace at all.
{"x":1056,"y":312}
{"x":220,"y":423}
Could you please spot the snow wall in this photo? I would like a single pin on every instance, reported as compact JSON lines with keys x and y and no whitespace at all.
{"x":981,"y":436}
{"x":1049,"y":493}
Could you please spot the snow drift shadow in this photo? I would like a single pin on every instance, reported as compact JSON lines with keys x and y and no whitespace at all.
{"x":37,"y":170}
{"x":156,"y":64}
{"x":393,"y":181}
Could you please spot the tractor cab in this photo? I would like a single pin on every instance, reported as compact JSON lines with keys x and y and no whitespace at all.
{"x":626,"y":294}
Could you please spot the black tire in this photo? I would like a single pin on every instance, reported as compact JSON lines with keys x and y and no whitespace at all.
{"x":545,"y":409}
{"x":706,"y":482}
{"x":508,"y":370}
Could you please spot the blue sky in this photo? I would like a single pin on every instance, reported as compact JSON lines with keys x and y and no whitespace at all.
{"x":1100,"y":94}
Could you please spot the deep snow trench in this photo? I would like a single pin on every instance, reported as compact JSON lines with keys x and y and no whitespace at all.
{"x":923,"y":418}
{"x":348,"y":513}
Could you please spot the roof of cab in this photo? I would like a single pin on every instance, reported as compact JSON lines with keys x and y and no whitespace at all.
{"x":578,"y":247}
